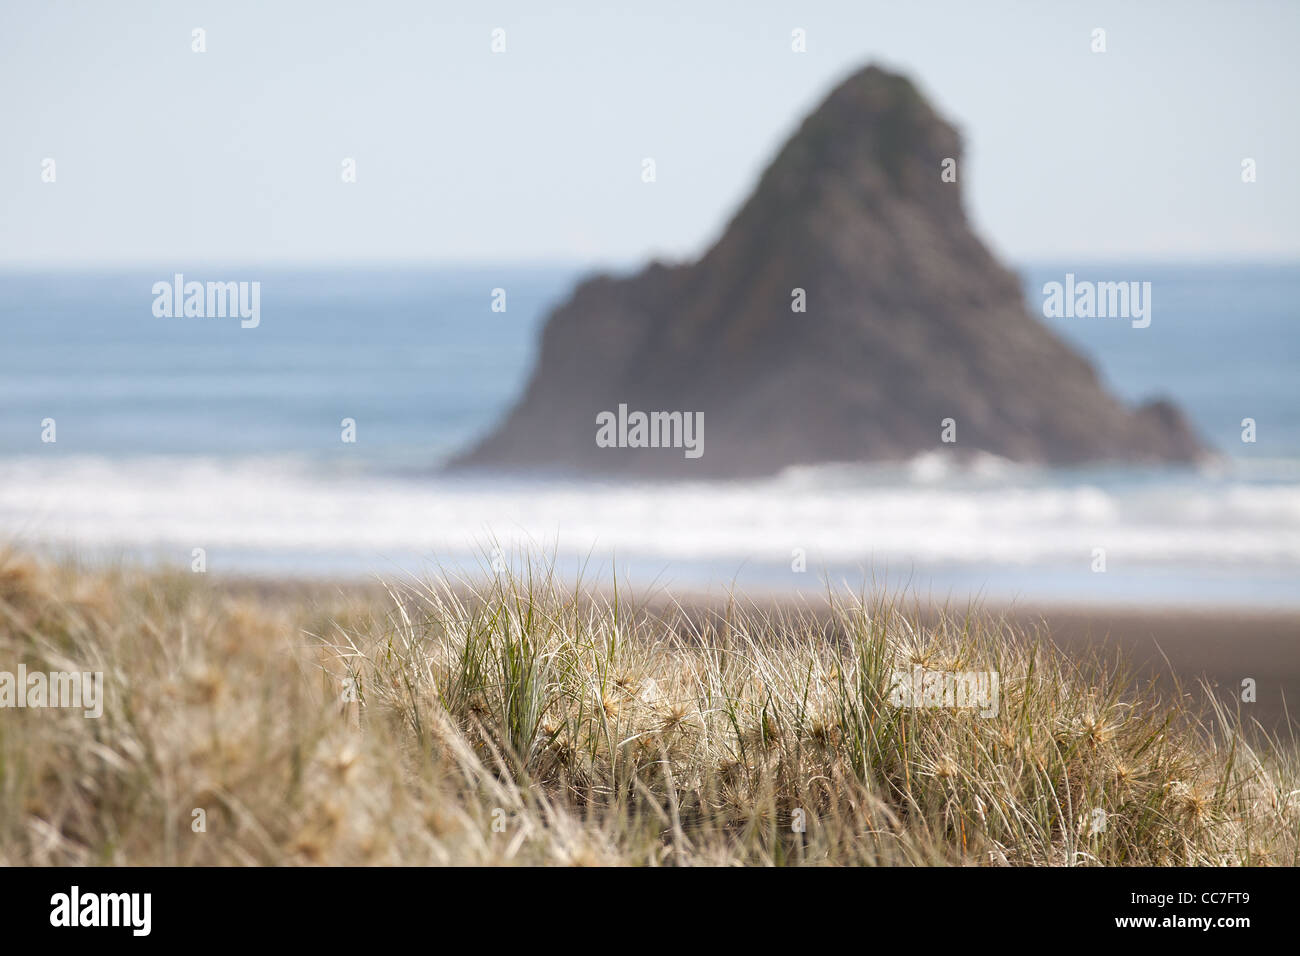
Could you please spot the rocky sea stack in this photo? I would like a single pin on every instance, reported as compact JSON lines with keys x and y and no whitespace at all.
{"x":909,"y":321}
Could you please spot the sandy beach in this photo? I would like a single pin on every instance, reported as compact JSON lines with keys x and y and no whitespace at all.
{"x":1223,"y":647}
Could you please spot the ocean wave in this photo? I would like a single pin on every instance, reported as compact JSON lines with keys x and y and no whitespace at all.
{"x":921,"y":514}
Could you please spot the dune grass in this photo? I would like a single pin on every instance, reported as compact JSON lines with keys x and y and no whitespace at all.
{"x":519,"y":719}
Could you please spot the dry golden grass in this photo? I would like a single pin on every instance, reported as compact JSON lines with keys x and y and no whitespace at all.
{"x":528,"y":722}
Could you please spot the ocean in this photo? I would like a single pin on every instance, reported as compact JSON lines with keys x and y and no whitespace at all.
{"x":179,"y":433}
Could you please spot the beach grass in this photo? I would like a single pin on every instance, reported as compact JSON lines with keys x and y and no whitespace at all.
{"x":511,"y":717}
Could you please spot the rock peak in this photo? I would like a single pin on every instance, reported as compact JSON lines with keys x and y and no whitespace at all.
{"x":845,"y":312}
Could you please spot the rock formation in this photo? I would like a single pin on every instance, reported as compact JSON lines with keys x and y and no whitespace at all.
{"x":909,"y":321}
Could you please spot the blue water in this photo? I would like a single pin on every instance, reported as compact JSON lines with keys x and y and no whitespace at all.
{"x":176,"y":433}
{"x":1224,"y":342}
{"x":416,"y":357}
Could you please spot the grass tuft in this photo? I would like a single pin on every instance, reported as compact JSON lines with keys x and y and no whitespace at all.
{"x":514,"y":719}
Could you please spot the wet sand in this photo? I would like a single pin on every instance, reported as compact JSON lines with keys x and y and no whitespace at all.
{"x":1222,"y":647}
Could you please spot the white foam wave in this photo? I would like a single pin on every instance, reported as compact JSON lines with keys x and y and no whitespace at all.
{"x":1006,"y":516}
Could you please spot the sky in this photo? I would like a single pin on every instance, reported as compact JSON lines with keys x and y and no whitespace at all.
{"x":534,"y":154}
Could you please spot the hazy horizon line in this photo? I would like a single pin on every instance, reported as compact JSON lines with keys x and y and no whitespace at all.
{"x":542,"y":263}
